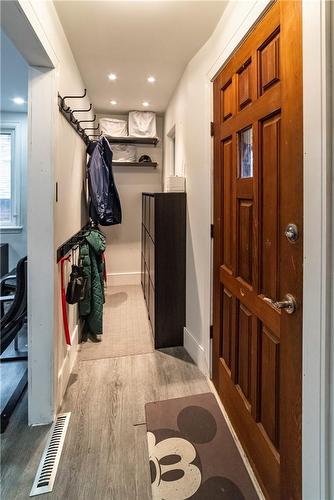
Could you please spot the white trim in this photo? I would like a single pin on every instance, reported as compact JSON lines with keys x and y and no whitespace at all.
{"x":14,"y":129}
{"x":251,"y":18}
{"x":195,"y":351}
{"x":42,"y":269}
{"x":317,"y":270}
{"x":119,"y":279}
{"x":11,"y":229}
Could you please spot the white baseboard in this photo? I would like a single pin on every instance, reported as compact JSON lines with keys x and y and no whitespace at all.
{"x":67,"y":365}
{"x":118,"y":279}
{"x":195,"y":351}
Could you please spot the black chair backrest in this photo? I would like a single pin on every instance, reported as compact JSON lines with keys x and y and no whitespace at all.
{"x":14,"y":318}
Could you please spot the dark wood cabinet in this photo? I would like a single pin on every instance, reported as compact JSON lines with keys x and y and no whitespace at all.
{"x":163,"y":265}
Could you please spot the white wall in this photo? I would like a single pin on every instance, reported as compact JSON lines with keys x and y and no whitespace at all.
{"x":123,"y":255}
{"x":17,"y":238}
{"x":190,"y":111}
{"x":56,"y":154}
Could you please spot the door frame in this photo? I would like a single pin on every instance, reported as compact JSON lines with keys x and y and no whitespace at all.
{"x":318,"y":221}
{"x":42,"y":269}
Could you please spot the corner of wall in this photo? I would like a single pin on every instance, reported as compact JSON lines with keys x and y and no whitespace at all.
{"x":67,"y":366}
{"x":196,"y":352}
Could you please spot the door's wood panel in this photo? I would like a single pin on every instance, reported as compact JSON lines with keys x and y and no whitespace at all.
{"x":265,"y":462}
{"x":291,"y":255}
{"x":269,"y":62}
{"x":256,"y":347}
{"x":246,"y":295}
{"x":227,"y":328}
{"x":269,"y":383}
{"x":226,"y":158}
{"x":252,"y":113}
{"x":245,"y":241}
{"x":244,"y":350}
{"x":227,"y":99}
{"x":245,"y":84}
{"x":269,"y":168}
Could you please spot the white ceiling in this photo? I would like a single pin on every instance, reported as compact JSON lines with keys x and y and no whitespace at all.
{"x":14,"y":76}
{"x":135,"y":39}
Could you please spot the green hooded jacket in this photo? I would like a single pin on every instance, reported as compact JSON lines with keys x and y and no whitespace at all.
{"x":91,"y":308}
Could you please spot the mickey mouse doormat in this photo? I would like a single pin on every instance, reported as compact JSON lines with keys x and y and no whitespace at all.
{"x":192,"y":452}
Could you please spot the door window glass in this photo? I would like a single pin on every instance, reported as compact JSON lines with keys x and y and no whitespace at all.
{"x":246,"y":153}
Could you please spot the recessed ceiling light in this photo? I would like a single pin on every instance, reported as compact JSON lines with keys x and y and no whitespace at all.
{"x":151,"y":79}
{"x":18,"y":100}
{"x":145,"y":104}
{"x":113,"y":102}
{"x":112,"y":76}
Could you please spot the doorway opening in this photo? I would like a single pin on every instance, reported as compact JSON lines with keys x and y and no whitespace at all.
{"x":13,"y":227}
{"x":31,"y":210}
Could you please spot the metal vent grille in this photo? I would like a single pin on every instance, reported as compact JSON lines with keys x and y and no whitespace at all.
{"x":47,"y":470}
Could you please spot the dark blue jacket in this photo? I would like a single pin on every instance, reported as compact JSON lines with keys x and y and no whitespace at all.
{"x":105,"y":206}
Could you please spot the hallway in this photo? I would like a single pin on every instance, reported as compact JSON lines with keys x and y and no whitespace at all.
{"x":167,"y":244}
{"x":105,"y":451}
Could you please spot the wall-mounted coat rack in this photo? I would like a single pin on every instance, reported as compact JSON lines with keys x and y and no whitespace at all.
{"x":72,"y":242}
{"x":68,"y":113}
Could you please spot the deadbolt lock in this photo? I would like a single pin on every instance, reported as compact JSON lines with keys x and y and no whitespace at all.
{"x":291,"y":232}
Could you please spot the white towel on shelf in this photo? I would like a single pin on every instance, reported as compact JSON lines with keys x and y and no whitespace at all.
{"x":114,"y":127}
{"x":124,"y":152}
{"x":142,"y":124}
{"x":175,"y":184}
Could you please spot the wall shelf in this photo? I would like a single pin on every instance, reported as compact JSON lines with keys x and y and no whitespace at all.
{"x":133,"y":140}
{"x":143,"y":164}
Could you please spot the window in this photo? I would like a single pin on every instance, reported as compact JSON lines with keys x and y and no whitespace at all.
{"x":9,"y":180}
{"x":246,"y":153}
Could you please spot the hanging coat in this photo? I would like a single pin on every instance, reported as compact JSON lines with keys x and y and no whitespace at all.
{"x":91,"y":308}
{"x":105,"y":207}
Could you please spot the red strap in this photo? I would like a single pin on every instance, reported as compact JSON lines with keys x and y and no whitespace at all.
{"x":63,"y":301}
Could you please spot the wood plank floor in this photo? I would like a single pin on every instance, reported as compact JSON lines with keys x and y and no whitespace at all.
{"x":127,"y":329}
{"x":107,"y":432}
{"x":105,"y":452}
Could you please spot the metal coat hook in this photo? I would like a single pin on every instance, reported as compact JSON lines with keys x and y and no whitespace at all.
{"x":86,"y":121}
{"x":67,"y":108}
{"x":91,"y":128}
{"x":82,"y":110}
{"x":73,"y":119}
{"x":68,"y":113}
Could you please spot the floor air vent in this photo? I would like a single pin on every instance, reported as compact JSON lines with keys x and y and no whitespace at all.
{"x":47,"y":470}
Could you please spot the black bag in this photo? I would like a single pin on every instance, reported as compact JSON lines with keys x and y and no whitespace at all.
{"x":77,"y":285}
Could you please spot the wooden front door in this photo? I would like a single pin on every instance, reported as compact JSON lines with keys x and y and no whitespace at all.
{"x":258,"y":185}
